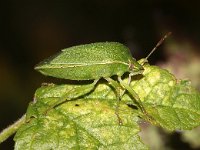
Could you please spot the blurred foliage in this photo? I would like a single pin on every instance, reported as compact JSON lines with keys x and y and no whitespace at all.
{"x":192,"y":137}
{"x":183,"y":60}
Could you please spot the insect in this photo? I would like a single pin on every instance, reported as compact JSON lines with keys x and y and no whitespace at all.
{"x":94,"y":61}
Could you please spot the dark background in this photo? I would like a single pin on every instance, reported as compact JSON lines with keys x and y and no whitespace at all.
{"x":33,"y":30}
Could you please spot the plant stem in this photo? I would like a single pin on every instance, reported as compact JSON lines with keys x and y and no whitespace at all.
{"x":6,"y":133}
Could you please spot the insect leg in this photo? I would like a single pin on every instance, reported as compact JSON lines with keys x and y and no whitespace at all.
{"x":133,"y":94}
{"x":137,"y":100}
{"x":117,"y":88}
{"x":129,"y":81}
{"x":73,"y":94}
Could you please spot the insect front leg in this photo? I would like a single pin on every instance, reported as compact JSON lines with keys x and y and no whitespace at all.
{"x":136,"y":98}
{"x":129,"y":81}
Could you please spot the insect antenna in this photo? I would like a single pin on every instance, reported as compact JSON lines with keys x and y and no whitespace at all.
{"x":158,"y":44}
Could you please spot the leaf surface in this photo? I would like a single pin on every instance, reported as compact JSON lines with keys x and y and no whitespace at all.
{"x":86,"y":123}
{"x":174,"y":104}
{"x":90,"y":121}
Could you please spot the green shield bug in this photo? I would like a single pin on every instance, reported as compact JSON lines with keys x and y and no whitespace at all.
{"x":94,"y":61}
{"x":91,"y":61}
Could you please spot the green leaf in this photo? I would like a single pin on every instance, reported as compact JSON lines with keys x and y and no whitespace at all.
{"x":87,"y":123}
{"x":174,"y":104}
{"x":90,"y":121}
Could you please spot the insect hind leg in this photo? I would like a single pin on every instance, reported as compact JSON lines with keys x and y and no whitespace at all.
{"x":73,"y":94}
